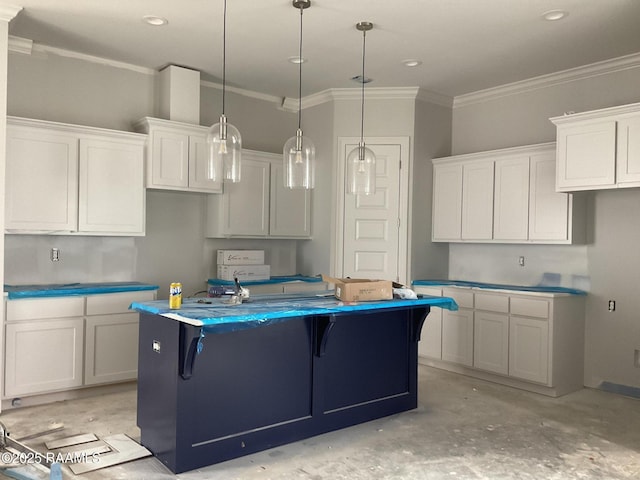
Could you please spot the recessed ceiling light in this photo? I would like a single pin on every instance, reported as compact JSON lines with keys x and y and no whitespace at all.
{"x":553,"y":15}
{"x":358,"y":78}
{"x":155,"y":20}
{"x":297,"y":60}
{"x":411,"y":62}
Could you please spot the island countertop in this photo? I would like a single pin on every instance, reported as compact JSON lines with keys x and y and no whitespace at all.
{"x":264,"y":309}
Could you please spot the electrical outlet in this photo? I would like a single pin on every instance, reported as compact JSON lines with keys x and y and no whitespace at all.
{"x":612,"y":305}
{"x":55,"y":254}
{"x":521,"y":261}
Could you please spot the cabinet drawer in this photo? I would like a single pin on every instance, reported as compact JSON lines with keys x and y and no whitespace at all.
{"x":434,"y":292}
{"x":116,"y":302}
{"x":492,"y":303}
{"x":463,"y":297}
{"x":37,"y":308}
{"x":529,"y":307}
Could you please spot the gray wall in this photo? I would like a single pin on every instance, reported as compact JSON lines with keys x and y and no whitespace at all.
{"x":432,"y":139}
{"x":610,"y":259}
{"x":69,"y":90}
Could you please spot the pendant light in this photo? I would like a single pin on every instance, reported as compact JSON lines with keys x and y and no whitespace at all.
{"x":361,"y":161}
{"x":299,"y":151}
{"x":224,"y":141}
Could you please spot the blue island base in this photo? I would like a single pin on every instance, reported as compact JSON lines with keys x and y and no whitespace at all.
{"x":257,"y":388}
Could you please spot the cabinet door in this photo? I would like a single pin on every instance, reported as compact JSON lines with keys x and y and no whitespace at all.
{"x":511,"y":199}
{"x":43,"y":355}
{"x":430,"y":344}
{"x":477,"y":201}
{"x":41,"y":180}
{"x":246,"y":203}
{"x":529,"y":349}
{"x":199,"y":166}
{"x":290,"y":209}
{"x":548,"y":210}
{"x":491,"y":342}
{"x":112,"y":196}
{"x":447,"y":202}
{"x":457,"y":336}
{"x":628,"y":151}
{"x":586,"y":156}
{"x":169,"y":160}
{"x":111,"y":348}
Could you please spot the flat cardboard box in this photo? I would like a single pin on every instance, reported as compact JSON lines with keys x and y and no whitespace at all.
{"x":240,"y":257}
{"x":244,"y":272}
{"x":360,"y":289}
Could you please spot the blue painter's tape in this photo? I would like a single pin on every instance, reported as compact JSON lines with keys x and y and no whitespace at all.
{"x":72,"y":289}
{"x":497,"y":286}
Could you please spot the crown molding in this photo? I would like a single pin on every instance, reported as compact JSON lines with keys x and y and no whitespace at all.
{"x":246,"y":93}
{"x":9,"y":12}
{"x":564,"y":76}
{"x":372,"y":93}
{"x":20,"y":45}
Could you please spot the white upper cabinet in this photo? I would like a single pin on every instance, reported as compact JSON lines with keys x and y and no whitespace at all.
{"x":504,"y":196}
{"x":477,"y":200}
{"x":259,"y":205}
{"x":447,"y":202}
{"x":511,"y":199}
{"x":67,"y":179}
{"x":598,"y":149}
{"x":177,"y":156}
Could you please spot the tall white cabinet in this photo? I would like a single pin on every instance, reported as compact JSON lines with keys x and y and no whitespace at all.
{"x":68,"y":179}
{"x":504,"y":196}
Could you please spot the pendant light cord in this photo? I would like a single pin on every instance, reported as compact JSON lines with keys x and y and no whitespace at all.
{"x":224,"y":52}
{"x":364,"y":41}
{"x":300,"y":75}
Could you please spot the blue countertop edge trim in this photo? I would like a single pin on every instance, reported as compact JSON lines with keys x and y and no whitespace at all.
{"x":497,"y":286}
{"x":218,"y":319}
{"x":277,"y":279}
{"x":74,"y":289}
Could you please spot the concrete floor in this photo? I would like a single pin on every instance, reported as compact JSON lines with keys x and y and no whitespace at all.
{"x":463,"y":429}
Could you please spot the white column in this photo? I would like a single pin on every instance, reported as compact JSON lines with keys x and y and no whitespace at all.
{"x":7,"y":13}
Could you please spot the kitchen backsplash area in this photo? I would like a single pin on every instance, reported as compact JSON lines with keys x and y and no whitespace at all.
{"x":28,"y":259}
{"x":554,"y":265}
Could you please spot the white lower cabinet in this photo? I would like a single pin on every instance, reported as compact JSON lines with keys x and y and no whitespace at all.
{"x":60,"y":343}
{"x":528,"y":340}
{"x":293,"y":287}
{"x":43,"y":355}
{"x":529,"y":356}
{"x":457,"y":328}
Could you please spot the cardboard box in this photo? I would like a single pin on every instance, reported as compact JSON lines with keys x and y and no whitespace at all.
{"x":359,"y":289}
{"x":244,"y":272}
{"x":240,"y":257}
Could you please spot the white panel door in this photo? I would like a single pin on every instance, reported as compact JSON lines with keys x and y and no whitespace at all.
{"x":628,"y":167}
{"x":41,"y":180}
{"x":112,"y":195}
{"x":371,"y":222}
{"x":511,"y":199}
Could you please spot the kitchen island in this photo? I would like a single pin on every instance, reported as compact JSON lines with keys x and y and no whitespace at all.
{"x":219,"y":381}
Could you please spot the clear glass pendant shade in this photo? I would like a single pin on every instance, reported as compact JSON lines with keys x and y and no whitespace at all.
{"x":299,"y":162}
{"x":361,"y":171}
{"x":225,"y":152}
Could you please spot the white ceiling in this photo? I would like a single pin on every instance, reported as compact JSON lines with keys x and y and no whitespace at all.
{"x":465,"y":45}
